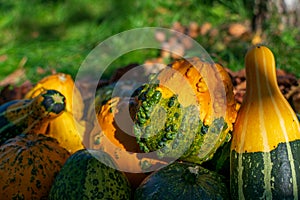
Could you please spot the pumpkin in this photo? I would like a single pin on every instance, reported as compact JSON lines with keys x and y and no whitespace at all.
{"x":65,"y":85}
{"x":28,"y":166}
{"x":182,"y":181}
{"x":68,"y":128}
{"x":265,"y":149}
{"x":186,"y":111}
{"x":120,"y":144}
{"x":90,"y":174}
{"x":25,"y":116}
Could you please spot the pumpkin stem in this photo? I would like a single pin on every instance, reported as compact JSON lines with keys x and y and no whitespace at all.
{"x":192,"y":174}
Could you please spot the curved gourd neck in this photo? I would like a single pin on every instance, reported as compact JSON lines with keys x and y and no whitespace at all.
{"x":261,"y":73}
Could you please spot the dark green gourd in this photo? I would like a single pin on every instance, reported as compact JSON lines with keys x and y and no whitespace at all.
{"x":88,"y":174}
{"x":182,"y":181}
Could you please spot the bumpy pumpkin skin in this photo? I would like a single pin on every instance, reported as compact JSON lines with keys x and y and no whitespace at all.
{"x":182,"y":181}
{"x":30,"y":116}
{"x":187,"y":110}
{"x":84,"y":177}
{"x":28,"y":166}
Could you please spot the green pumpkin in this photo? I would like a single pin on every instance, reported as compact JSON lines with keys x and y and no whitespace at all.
{"x":182,"y":181}
{"x":30,"y":115}
{"x":85,"y":177}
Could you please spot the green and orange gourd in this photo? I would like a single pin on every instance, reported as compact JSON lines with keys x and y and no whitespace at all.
{"x":265,"y":149}
{"x":186,"y":111}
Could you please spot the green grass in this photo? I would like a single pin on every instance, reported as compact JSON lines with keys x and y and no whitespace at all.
{"x":60,"y":34}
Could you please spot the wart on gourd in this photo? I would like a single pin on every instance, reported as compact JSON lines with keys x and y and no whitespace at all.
{"x":183,"y":114}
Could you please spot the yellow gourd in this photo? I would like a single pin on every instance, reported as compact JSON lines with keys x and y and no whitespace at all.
{"x":68,"y":128}
{"x":265,"y":151}
{"x":65,"y":85}
{"x":67,"y":131}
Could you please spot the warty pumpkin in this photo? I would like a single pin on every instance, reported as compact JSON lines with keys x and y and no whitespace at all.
{"x":30,"y":115}
{"x":28,"y":166}
{"x":265,"y":149}
{"x":186,"y":110}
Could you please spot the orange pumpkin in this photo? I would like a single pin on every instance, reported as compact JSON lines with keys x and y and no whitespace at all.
{"x":28,"y":166}
{"x":119,"y":143}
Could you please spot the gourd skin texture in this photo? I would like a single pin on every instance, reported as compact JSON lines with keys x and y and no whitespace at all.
{"x":84,"y":176}
{"x":265,"y":151}
{"x":182,"y":181}
{"x":28,"y":166}
{"x":187,"y":110}
{"x":30,"y":116}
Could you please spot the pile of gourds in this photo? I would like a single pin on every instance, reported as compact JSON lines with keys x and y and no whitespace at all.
{"x":203,"y":144}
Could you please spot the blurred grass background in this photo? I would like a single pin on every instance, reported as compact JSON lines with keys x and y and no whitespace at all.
{"x":52,"y":34}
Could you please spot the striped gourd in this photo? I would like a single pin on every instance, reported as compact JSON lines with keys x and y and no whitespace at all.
{"x":265,"y":150}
